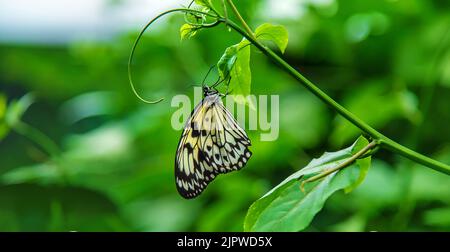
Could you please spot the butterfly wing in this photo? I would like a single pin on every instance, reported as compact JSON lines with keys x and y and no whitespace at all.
{"x":231,"y":139}
{"x":212,"y":143}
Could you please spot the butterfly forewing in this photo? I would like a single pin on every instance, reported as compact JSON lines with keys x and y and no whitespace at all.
{"x":212,"y":142}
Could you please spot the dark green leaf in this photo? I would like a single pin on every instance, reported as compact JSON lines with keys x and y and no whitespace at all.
{"x":287,"y":208}
{"x":28,"y":207}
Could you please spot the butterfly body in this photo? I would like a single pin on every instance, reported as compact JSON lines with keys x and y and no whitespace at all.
{"x":212,"y":143}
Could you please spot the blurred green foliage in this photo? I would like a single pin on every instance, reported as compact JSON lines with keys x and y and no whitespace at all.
{"x":387,"y":61}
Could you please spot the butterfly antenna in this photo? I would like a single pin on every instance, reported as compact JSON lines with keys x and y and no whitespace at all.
{"x":207,"y":74}
{"x":219,"y":81}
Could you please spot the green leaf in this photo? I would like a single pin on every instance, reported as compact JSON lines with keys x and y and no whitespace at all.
{"x":287,"y":208}
{"x":241,"y":76}
{"x":204,"y":3}
{"x":364,"y":165}
{"x":439,"y":217}
{"x":227,"y":61}
{"x":2,"y":105}
{"x":235,"y":64}
{"x":275,"y":33}
{"x":188,"y":31}
{"x":4,"y":129}
{"x":17,"y":108}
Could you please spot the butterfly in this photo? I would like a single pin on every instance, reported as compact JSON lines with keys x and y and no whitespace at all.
{"x":212,"y":143}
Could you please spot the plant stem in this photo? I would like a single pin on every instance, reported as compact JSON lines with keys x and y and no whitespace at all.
{"x":384,"y":141}
{"x":348,"y":162}
{"x":136,"y":42}
{"x":38,"y":138}
{"x":414,"y":156}
{"x":238,"y":15}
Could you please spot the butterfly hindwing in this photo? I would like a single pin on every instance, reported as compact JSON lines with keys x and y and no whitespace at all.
{"x":211,"y":143}
{"x":233,"y":140}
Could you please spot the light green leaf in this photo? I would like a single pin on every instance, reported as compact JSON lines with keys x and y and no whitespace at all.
{"x":204,"y":3}
{"x":17,"y":108}
{"x":287,"y":208}
{"x":439,"y":217}
{"x":364,"y":165}
{"x":235,"y":64}
{"x":227,"y":61}
{"x":188,"y":31}
{"x":4,"y":129}
{"x":241,"y":76}
{"x":275,"y":33}
{"x":2,"y":105}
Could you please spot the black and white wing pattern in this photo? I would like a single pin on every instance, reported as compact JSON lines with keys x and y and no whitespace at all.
{"x":212,"y":143}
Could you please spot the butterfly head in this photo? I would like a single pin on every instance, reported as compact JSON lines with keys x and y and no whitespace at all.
{"x":207,"y":91}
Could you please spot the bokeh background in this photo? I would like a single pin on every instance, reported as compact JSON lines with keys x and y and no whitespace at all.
{"x":387,"y":61}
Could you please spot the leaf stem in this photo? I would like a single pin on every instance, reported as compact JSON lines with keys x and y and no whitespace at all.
{"x":364,"y":127}
{"x":241,"y":19}
{"x":348,"y":162}
{"x":38,"y":138}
